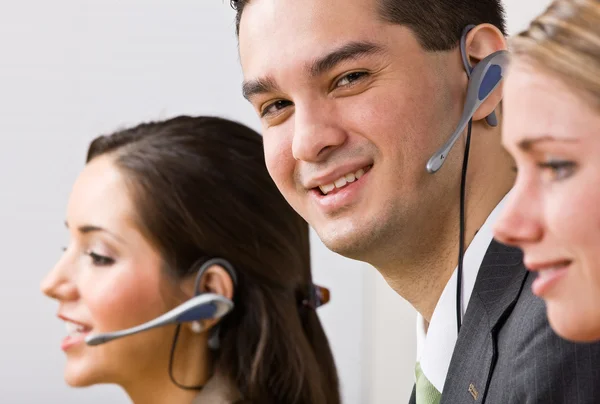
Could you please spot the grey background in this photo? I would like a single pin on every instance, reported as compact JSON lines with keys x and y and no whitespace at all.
{"x":70,"y":70}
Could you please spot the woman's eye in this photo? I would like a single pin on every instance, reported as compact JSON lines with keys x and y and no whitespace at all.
{"x":100,"y":260}
{"x":558,"y":169}
{"x":350,"y":78}
{"x":274,"y":107}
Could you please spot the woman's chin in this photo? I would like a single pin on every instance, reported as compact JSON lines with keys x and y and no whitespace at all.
{"x":81,"y":376}
{"x":573,"y":325}
{"x":78,"y":380}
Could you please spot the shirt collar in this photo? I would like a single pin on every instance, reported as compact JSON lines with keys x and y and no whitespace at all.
{"x":435,"y":347}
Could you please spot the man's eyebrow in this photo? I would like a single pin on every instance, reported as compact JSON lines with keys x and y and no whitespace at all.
{"x":528,"y":143}
{"x":350,"y":50}
{"x":263,"y":85}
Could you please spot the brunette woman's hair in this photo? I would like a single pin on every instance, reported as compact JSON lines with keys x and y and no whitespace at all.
{"x":201,"y":189}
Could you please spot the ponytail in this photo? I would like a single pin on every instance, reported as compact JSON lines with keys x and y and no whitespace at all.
{"x":276,"y":351}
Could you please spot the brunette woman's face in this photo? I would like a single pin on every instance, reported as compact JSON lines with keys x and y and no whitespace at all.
{"x":109,"y":278}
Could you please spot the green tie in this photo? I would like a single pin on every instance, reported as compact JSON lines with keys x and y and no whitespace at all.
{"x":426,"y":393}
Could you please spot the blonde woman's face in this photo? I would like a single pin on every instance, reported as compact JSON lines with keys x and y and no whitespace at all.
{"x":553,"y":215}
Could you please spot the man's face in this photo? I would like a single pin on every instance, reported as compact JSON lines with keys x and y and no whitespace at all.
{"x":352,"y":108}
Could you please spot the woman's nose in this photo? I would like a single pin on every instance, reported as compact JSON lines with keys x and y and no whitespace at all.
{"x":520,"y":221}
{"x":58,"y":284}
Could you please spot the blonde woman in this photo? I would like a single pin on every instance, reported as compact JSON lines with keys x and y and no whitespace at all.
{"x":552,"y":129}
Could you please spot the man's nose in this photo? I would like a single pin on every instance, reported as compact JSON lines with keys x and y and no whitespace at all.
{"x":317,"y":133}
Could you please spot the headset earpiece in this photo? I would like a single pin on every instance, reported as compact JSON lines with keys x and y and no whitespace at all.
{"x":484,"y":79}
{"x":491,"y":119}
{"x":196,"y":327}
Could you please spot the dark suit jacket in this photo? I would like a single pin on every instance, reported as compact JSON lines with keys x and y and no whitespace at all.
{"x":507,"y":353}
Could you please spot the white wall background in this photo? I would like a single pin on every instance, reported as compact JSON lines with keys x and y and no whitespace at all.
{"x":71,"y":69}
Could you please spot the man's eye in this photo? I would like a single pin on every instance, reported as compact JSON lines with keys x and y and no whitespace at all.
{"x":350,"y":78}
{"x":274,"y":107}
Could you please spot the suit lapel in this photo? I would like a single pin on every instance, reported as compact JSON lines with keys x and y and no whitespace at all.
{"x":413,"y":396}
{"x":497,"y":288}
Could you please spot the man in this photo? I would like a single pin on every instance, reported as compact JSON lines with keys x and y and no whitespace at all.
{"x":354,"y":97}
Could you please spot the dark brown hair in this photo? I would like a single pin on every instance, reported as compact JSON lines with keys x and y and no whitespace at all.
{"x":565,"y":41}
{"x":201,"y":189}
{"x":438,"y":24}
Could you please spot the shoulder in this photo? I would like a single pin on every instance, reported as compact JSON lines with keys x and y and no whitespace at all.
{"x":219,"y":390}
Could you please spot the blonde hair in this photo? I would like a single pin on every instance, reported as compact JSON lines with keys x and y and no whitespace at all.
{"x":565,"y":41}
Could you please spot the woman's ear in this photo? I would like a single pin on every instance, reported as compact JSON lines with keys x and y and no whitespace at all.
{"x":214,"y":280}
{"x":217,"y":280}
{"x":482,"y":41}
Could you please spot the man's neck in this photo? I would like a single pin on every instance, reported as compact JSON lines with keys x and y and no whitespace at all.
{"x":421,"y":280}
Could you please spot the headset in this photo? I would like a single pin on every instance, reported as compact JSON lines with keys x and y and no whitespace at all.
{"x":483,"y":80}
{"x":202,"y":306}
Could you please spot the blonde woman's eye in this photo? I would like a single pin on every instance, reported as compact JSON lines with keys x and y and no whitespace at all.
{"x":558,"y":169}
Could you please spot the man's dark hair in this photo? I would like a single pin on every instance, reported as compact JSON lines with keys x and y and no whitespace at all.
{"x":438,"y":24}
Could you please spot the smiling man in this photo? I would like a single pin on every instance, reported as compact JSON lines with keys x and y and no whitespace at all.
{"x":354,"y":97}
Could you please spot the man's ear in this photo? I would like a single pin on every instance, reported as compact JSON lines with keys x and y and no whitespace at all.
{"x":482,"y":41}
{"x":214,"y":280}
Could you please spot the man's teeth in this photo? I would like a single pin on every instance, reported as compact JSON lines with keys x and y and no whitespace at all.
{"x":327,"y":188}
{"x":342,"y":181}
{"x":74,"y":329}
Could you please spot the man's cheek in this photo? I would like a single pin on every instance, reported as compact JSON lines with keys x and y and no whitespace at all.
{"x":280,"y":163}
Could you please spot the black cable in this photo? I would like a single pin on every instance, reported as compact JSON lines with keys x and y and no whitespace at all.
{"x":461,"y":233}
{"x":171,"y":357}
{"x":203,"y":265}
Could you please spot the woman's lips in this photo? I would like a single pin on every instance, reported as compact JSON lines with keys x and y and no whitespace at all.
{"x":548,"y":275}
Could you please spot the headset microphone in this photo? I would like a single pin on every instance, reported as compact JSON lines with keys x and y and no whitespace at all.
{"x":202,"y":307}
{"x":483,"y":80}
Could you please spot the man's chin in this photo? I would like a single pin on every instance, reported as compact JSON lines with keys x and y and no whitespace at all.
{"x":348,"y":242}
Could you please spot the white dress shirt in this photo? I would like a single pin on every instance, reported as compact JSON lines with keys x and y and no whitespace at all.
{"x":435,"y":347}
